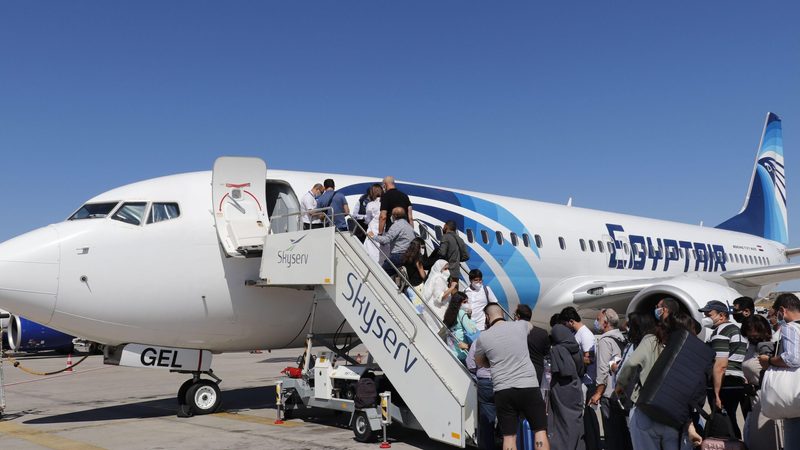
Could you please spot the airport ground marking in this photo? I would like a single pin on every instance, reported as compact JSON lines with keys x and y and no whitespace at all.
{"x":44,"y":438}
{"x":256,"y":419}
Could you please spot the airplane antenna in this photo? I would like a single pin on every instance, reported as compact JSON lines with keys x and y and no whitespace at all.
{"x":569,"y":202}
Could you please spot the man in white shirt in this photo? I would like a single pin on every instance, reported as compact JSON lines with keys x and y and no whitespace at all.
{"x":308,"y":203}
{"x":479,"y":296}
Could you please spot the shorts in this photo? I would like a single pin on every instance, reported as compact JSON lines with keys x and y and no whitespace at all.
{"x":514,"y":403}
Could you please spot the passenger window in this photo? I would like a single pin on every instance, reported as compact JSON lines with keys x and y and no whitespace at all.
{"x":485,"y":236}
{"x":591,"y":245}
{"x":470,"y":235}
{"x":93,"y":211}
{"x":526,"y":239}
{"x":538,"y":240}
{"x":610,"y":247}
{"x":438,"y":230}
{"x":160,"y":212}
{"x":625,"y":247}
{"x":423,"y":231}
{"x":514,"y":239}
{"x":562,"y":243}
{"x":600,"y":246}
{"x":583,"y":245}
{"x":131,"y":213}
{"x":499,"y":236}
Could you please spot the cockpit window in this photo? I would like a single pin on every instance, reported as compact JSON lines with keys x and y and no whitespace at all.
{"x":131,"y":213}
{"x":163,"y":211}
{"x":93,"y":211}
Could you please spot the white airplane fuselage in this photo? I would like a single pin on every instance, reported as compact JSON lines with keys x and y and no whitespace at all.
{"x":170,"y":283}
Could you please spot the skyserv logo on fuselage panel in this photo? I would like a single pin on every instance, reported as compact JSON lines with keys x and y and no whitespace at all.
{"x":290,"y":258}
{"x":660,"y":252}
{"x":298,"y":257}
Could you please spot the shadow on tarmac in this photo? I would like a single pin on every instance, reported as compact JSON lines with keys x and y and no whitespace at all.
{"x":233,"y":400}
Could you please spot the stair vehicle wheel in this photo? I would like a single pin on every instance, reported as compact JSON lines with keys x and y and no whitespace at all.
{"x":361,"y":428}
{"x":203,"y":397}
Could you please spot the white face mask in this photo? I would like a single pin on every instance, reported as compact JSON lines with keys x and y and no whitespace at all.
{"x":465,"y":307}
{"x":707,"y":322}
{"x":477,"y":285}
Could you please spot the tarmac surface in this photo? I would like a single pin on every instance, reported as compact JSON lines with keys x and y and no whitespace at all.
{"x":111,"y":407}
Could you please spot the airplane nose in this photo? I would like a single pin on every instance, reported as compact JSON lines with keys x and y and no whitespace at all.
{"x":29,"y":266}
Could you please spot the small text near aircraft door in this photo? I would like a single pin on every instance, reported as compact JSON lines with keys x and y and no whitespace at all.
{"x":240,"y":207}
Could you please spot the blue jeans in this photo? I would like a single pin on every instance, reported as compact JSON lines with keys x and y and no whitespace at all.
{"x":647,"y":434}
{"x":486,"y":414}
{"x":396,"y":259}
{"x":791,"y":433}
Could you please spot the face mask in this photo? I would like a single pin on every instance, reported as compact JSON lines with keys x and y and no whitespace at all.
{"x":465,"y":307}
{"x":707,"y":322}
{"x":477,"y":286}
{"x":781,"y":319}
{"x":597,"y":326}
{"x":739,"y":317}
{"x":659,"y":312}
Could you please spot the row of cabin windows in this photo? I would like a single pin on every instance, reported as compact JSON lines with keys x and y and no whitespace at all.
{"x":485,"y":237}
{"x":602,"y":246}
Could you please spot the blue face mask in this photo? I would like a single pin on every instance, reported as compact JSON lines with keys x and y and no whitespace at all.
{"x":659,"y":312}
{"x":597,"y":327}
{"x":781,"y":319}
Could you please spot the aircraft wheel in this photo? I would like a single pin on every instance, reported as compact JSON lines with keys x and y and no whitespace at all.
{"x":361,"y":428}
{"x":203,"y":397}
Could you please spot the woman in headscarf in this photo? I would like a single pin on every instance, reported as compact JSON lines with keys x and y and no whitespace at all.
{"x":565,"y":421}
{"x":437,"y":293}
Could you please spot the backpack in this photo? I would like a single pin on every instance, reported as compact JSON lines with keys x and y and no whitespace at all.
{"x":676,"y":379}
{"x":462,"y":249}
{"x":366,"y":394}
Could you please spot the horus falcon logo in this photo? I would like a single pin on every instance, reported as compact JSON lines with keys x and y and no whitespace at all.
{"x":775,"y":170}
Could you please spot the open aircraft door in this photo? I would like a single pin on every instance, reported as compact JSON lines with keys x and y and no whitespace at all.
{"x":240,"y":207}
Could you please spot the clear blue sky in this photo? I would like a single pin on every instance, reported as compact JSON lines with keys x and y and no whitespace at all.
{"x":649,"y":108}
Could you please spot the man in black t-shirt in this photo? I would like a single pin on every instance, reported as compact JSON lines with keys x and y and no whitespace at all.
{"x":538,"y":341}
{"x":391,"y":199}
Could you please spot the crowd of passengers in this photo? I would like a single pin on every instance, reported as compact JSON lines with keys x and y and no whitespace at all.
{"x":549,"y":385}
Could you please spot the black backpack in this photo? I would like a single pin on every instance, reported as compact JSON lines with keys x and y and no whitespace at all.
{"x":366,"y":394}
{"x":676,"y":380}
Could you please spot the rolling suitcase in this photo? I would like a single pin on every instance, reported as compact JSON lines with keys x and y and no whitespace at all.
{"x":677,"y":377}
{"x":719,"y":434}
{"x":525,"y":436}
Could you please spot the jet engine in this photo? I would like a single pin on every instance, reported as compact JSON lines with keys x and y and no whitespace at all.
{"x":691,"y":293}
{"x":27,"y":336}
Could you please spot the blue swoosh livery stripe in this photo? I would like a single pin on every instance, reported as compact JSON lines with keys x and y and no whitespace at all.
{"x":520,"y":272}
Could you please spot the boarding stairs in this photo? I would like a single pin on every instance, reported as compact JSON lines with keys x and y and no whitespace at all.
{"x":405,"y":343}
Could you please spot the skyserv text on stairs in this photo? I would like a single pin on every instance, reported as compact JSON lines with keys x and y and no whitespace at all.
{"x":388,"y":334}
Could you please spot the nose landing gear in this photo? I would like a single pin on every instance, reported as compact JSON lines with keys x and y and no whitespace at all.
{"x":197,"y":396}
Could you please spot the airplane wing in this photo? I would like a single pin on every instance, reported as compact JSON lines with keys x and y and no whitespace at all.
{"x":792,"y":252}
{"x":762,"y":276}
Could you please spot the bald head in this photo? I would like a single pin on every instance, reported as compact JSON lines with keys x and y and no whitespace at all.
{"x":493,"y":311}
{"x":388,"y":182}
{"x":398,"y":213}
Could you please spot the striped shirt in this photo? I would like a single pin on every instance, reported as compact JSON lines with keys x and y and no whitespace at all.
{"x":727,"y":342}
{"x":790,"y":344}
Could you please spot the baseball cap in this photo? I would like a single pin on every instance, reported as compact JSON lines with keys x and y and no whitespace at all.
{"x":714,"y":305}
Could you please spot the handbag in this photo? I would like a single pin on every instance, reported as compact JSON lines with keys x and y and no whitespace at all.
{"x":780,"y":390}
